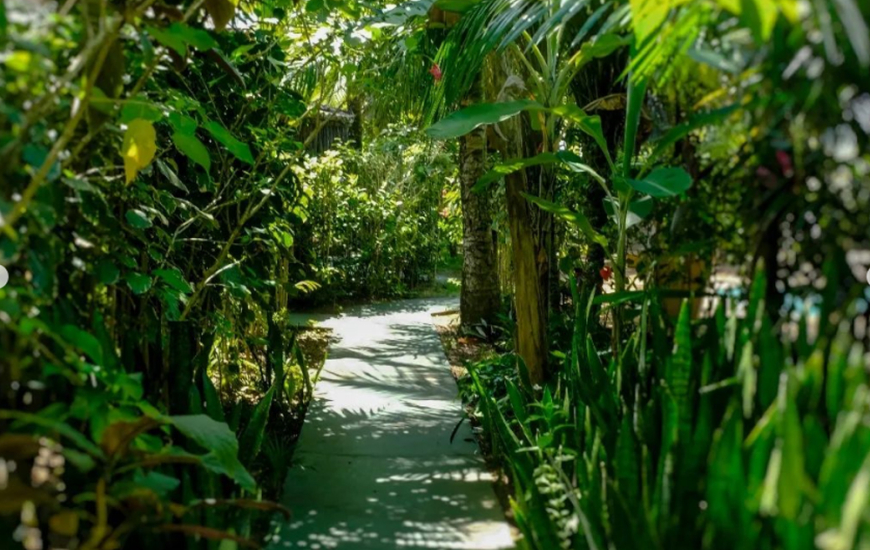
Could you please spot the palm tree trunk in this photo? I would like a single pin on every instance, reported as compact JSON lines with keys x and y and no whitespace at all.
{"x":531,"y":335}
{"x":530,"y":299}
{"x":479,"y":298}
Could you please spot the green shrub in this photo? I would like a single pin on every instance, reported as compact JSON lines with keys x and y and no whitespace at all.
{"x":727,"y":433}
{"x":379,"y":220}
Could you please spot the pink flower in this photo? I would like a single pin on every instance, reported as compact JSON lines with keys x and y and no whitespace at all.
{"x":436,"y":72}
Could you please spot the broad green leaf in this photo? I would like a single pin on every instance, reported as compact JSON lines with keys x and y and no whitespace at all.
{"x":139,"y":147}
{"x":137,"y":219}
{"x":575,"y":218}
{"x":160,"y":484}
{"x":575,"y":164}
{"x":647,"y":16}
{"x":223,"y":456}
{"x":237,"y":148}
{"x":588,"y":124}
{"x":174,"y":278}
{"x":637,"y":210}
{"x":567,"y":158}
{"x":510,"y":166}
{"x":138,"y":283}
{"x":84,"y":341}
{"x":171,"y":41}
{"x":193,"y":148}
{"x":198,"y":38}
{"x":602,"y":46}
{"x":461,"y":122}
{"x":106,"y":272}
{"x":178,"y":36}
{"x":141,"y":109}
{"x":663,"y":182}
{"x":182,"y":124}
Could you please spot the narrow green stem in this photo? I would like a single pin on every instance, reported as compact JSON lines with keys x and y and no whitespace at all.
{"x":622,"y":223}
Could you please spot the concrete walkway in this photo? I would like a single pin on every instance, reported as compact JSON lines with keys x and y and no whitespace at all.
{"x":374,"y":466}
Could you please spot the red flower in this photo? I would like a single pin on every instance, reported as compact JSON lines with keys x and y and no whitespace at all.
{"x":436,"y":72}
{"x":605,"y":272}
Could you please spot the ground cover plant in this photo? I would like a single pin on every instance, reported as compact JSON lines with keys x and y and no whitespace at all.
{"x":659,"y":211}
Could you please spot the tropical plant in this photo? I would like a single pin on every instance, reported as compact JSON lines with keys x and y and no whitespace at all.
{"x":721,"y":436}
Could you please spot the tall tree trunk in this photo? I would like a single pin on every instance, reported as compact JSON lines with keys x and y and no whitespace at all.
{"x":529,"y":300}
{"x":479,"y":298}
{"x":529,"y":288}
{"x":541,"y":181}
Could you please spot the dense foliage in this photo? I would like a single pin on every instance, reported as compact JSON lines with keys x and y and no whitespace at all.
{"x":741,"y":424}
{"x":673,"y":199}
{"x":380,"y":220}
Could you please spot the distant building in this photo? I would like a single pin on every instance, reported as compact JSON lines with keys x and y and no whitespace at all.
{"x":336,"y":126}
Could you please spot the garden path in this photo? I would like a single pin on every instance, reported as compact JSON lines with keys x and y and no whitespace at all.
{"x":374,"y":467}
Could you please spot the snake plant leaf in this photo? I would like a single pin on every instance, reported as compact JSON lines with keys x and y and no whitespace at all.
{"x":627,"y":461}
{"x":213,"y":406}
{"x":679,"y":369}
{"x":854,"y":507}
{"x":792,"y":475}
{"x":252,"y":438}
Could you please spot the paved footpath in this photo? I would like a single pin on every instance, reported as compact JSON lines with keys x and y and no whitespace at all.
{"x":374,"y":467}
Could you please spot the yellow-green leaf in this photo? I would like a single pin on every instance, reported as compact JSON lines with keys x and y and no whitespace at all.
{"x":140,"y":145}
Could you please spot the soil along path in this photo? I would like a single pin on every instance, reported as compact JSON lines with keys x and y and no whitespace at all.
{"x":374,"y":466}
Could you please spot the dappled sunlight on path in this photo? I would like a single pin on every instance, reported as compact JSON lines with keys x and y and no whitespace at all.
{"x":375,"y":467}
